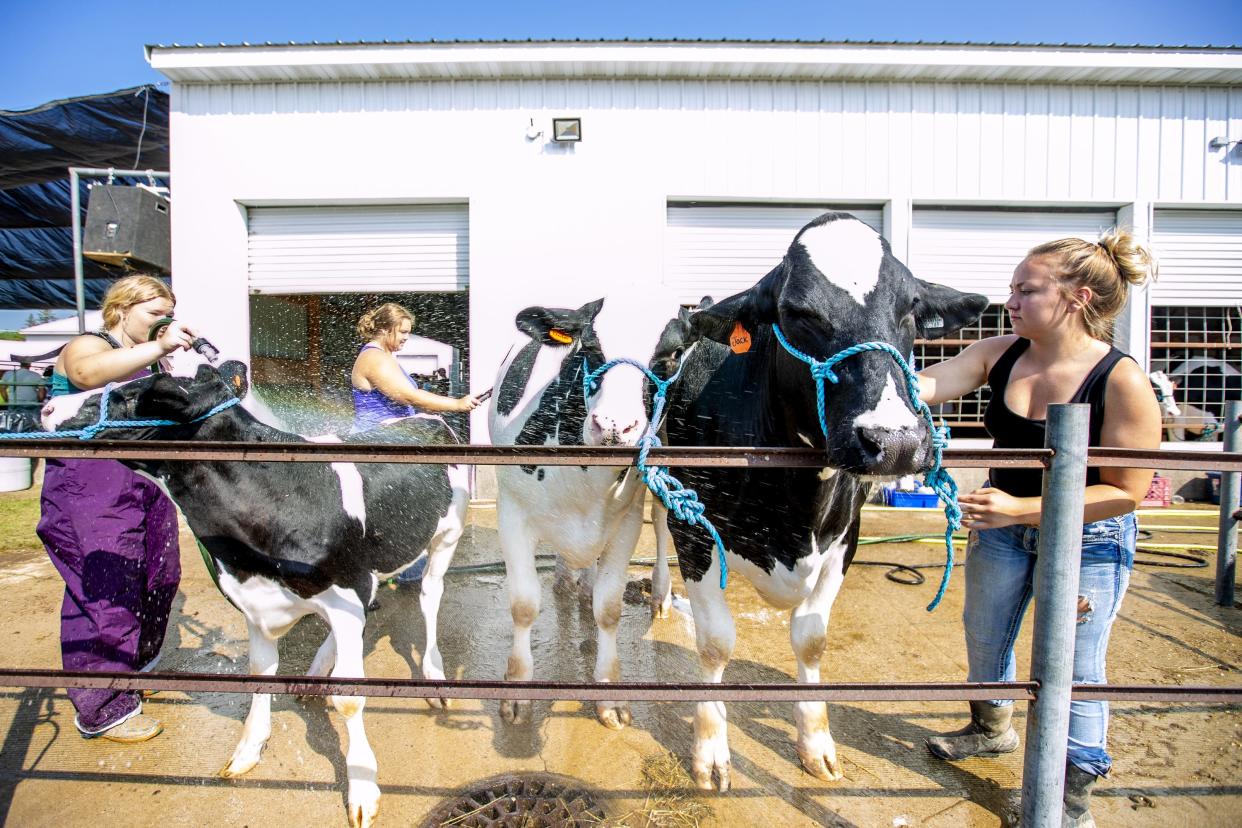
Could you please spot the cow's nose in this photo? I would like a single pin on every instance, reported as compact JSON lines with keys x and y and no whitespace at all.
{"x":892,"y":449}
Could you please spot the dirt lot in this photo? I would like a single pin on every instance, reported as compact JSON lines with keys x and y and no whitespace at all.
{"x":1175,"y":764}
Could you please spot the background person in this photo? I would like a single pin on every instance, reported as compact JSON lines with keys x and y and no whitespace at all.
{"x":22,"y":392}
{"x":1063,"y":299}
{"x":381,"y":389}
{"x":110,"y":533}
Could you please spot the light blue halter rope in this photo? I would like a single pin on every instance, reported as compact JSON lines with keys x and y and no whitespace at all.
{"x":104,"y":423}
{"x":682,"y":502}
{"x":937,"y":478}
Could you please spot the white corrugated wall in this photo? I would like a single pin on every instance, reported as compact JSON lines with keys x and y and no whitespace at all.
{"x":1200,"y":253}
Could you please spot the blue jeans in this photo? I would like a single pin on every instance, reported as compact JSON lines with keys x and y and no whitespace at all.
{"x":1000,"y":571}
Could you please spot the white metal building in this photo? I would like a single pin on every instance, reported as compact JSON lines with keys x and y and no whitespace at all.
{"x":305,"y":171}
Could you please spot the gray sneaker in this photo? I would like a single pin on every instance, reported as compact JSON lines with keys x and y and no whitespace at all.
{"x":131,"y":731}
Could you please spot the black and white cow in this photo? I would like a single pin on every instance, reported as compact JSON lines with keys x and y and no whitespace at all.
{"x":793,"y":532}
{"x":590,"y":515}
{"x":295,"y":539}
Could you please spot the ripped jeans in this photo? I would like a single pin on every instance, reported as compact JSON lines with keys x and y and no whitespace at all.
{"x":1000,"y":572}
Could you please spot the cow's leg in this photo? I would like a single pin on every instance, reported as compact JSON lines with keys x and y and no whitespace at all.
{"x":715,"y":636}
{"x":606,"y":601}
{"x":808,"y":630}
{"x":661,"y":583}
{"x":325,"y":657}
{"x":258,"y":726}
{"x":345,"y":612}
{"x":439,"y":555}
{"x":517,"y":544}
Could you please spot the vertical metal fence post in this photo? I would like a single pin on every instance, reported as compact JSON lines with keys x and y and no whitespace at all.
{"x":1227,"y":542}
{"x":1056,"y":601}
{"x":79,"y":283}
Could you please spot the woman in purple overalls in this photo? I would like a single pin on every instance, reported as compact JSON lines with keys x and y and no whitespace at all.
{"x":110,"y":533}
{"x":1063,"y":299}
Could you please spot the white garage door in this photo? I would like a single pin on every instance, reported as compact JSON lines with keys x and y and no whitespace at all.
{"x":371,"y":249}
{"x":1200,"y":253}
{"x":719,"y":250}
{"x":977,"y":250}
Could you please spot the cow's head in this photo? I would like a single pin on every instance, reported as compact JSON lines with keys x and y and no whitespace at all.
{"x":840,"y":285}
{"x":155,"y":397}
{"x":542,"y":386}
{"x":1165,"y":388}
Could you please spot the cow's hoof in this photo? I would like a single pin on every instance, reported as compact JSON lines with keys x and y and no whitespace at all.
{"x":613,"y":716}
{"x":439,"y":704}
{"x":515,"y":712}
{"x":661,"y":607}
{"x":824,"y":768}
{"x":712,"y":778}
{"x":363,"y":804}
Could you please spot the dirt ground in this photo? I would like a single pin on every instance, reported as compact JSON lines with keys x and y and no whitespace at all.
{"x":1175,"y":764}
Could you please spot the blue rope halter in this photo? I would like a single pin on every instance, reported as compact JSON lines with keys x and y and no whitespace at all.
{"x":937,"y":477}
{"x":682,"y":502}
{"x":104,"y":423}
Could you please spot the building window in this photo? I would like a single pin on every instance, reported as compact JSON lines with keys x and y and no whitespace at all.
{"x":964,"y":416}
{"x":1199,"y":349}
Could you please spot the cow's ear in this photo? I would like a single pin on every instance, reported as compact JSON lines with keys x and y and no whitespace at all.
{"x":742,"y":313}
{"x":162,"y":399}
{"x":234,"y":375}
{"x":591,"y":309}
{"x":535,"y":322}
{"x":942,"y":310}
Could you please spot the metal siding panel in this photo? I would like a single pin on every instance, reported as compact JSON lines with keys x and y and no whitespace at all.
{"x":968,"y":159}
{"x":1125,"y":162}
{"x":1148,"y":177}
{"x":991,"y":141}
{"x":922,"y":151}
{"x":1036,"y":184}
{"x":944,"y":140}
{"x":903,"y":141}
{"x":358,"y":249}
{"x":878,"y":138}
{"x":977,"y":250}
{"x":807,"y":137}
{"x":1194,"y":143}
{"x":1215,"y":122}
{"x":1200,"y":253}
{"x":1059,"y":122}
{"x":1013,"y":172}
{"x":854,"y":138}
{"x":1171,"y":126}
{"x":721,"y":250}
{"x":1083,"y":141}
{"x":831,"y":129}
{"x":1233,"y":169}
{"x":1103,"y":142}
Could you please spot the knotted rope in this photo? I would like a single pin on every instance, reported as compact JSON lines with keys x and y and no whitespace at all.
{"x":682,"y":502}
{"x":104,"y":423}
{"x":937,"y":478}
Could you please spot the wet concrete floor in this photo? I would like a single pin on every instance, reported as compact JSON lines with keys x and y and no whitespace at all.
{"x":1175,"y":764}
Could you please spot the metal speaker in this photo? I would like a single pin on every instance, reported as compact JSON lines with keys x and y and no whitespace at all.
{"x":129,"y":226}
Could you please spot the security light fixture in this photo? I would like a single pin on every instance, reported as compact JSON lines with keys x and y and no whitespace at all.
{"x":566,"y":130}
{"x":1222,"y":142}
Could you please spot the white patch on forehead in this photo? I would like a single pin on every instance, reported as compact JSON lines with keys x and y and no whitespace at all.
{"x":890,"y":412}
{"x":848,"y":253}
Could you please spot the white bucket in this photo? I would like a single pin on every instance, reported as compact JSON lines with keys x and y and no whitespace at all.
{"x":15,"y":474}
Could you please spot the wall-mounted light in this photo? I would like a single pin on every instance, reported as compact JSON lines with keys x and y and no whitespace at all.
{"x":1222,"y":142}
{"x":566,"y":130}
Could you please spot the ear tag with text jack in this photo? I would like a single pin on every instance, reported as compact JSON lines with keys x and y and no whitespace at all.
{"x":739,"y":339}
{"x":560,"y":336}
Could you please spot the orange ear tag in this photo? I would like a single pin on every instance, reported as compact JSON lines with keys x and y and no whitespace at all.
{"x":560,"y":336}
{"x":739,"y":339}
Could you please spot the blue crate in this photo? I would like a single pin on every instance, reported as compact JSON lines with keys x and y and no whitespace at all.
{"x":917,"y":500}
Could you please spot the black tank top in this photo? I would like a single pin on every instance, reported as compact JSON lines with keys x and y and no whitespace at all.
{"x":1009,"y":430}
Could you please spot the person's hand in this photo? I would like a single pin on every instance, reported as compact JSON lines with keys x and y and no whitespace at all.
{"x":467,"y":403}
{"x":989,"y":508}
{"x":176,"y":335}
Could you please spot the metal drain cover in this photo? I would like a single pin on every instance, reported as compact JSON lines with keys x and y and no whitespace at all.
{"x":520,"y":800}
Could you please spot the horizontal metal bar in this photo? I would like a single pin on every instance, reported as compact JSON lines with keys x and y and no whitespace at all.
{"x":592,"y":691}
{"x":672,"y":456}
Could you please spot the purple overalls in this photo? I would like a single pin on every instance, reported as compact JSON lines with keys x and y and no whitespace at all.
{"x":112,"y":535}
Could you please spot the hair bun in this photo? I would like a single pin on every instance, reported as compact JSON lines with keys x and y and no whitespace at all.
{"x":1135,"y":263}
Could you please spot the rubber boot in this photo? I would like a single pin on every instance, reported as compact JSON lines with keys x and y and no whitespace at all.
{"x":1078,"y":785}
{"x":988,"y":734}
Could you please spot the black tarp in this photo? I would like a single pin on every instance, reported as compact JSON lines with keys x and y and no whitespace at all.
{"x":126,"y":129}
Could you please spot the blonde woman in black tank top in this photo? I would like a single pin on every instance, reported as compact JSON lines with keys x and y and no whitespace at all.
{"x":1063,"y":299}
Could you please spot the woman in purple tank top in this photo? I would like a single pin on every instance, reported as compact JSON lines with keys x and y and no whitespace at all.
{"x":382,"y":390}
{"x":1063,"y":299}
{"x":111,"y":533}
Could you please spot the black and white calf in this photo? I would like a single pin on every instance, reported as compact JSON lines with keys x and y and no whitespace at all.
{"x":295,"y":539}
{"x":590,"y":515}
{"x":793,"y":532}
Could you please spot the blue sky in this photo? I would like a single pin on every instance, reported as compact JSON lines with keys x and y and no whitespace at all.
{"x":63,"y":48}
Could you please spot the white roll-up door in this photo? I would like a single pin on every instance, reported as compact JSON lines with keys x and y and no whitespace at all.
{"x":977,"y":250}
{"x":719,"y":250}
{"x":1200,"y":254}
{"x":363,"y":249}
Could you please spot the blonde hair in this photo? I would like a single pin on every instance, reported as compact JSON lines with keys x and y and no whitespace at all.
{"x":130,"y":291}
{"x":382,"y":320}
{"x":1107,"y":268}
